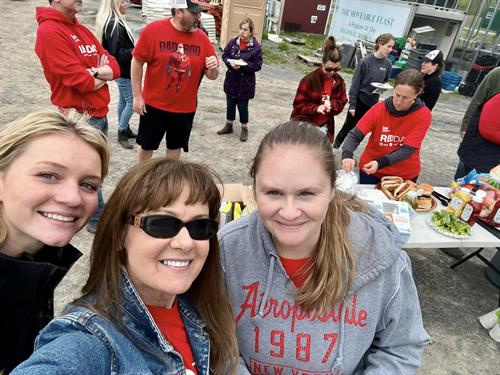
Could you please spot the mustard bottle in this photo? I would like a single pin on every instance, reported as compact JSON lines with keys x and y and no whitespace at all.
{"x":459,"y":198}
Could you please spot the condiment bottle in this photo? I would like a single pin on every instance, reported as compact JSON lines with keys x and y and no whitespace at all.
{"x":459,"y":198}
{"x":472,"y":209}
{"x":494,"y":218}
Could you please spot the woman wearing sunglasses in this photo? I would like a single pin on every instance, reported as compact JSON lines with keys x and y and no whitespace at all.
{"x":51,"y":167}
{"x":154,"y":302}
{"x":318,"y":282}
{"x":322,"y":94}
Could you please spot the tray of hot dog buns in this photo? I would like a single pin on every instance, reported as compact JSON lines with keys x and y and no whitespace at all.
{"x":419,"y":196}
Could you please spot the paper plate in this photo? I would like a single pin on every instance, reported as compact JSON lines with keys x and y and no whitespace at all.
{"x":446,"y":233}
{"x":236,"y":62}
{"x":382,"y":86}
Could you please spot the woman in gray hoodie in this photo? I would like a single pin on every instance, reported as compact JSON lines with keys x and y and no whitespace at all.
{"x":318,"y":282}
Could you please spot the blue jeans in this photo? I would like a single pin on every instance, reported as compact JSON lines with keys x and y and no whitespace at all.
{"x":367,"y":179}
{"x":102,"y":125}
{"x":242,"y":105}
{"x":125,"y":103}
{"x":462,"y":170}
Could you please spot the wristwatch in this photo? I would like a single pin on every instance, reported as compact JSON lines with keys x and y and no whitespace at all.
{"x":94,"y":72}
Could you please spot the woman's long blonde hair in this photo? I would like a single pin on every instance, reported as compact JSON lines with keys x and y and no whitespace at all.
{"x":14,"y":138}
{"x":147,"y":187}
{"x":109,"y":10}
{"x":332,"y":269}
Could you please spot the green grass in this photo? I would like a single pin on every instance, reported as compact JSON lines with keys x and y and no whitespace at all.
{"x":285,"y":53}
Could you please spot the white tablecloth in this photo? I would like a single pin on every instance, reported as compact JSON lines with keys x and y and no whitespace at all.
{"x":423,"y":236}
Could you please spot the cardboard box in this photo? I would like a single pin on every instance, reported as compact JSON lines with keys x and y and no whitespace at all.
{"x":237,"y":200}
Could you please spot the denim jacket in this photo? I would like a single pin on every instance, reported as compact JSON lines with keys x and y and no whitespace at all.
{"x":82,"y":342}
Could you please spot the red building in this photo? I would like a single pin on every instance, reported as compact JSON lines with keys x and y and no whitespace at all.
{"x":308,"y":16}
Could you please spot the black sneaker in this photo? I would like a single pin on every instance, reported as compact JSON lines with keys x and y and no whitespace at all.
{"x":130,"y":133}
{"x":123,"y":140}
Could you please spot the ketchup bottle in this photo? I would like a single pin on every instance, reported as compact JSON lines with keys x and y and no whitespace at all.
{"x":473,"y":208}
{"x":494,"y":217}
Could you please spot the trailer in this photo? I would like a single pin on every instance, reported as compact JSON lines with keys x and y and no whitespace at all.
{"x":434,"y":26}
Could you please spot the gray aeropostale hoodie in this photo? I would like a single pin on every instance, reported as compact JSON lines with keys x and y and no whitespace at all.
{"x":378,"y":331}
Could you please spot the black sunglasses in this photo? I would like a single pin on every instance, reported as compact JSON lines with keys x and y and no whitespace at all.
{"x":337,"y":69}
{"x":164,"y":226}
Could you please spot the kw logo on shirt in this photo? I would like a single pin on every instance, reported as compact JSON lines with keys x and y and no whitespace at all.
{"x":390,"y":140}
{"x":88,"y":49}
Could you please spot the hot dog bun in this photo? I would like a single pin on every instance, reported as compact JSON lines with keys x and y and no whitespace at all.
{"x":401,"y":190}
{"x":428,"y":189}
{"x":391,"y":179}
{"x":424,"y":203}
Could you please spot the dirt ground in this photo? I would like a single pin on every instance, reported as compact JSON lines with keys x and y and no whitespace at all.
{"x":451,"y":300}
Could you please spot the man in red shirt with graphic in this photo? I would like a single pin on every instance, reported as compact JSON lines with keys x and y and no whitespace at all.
{"x":76,"y":66}
{"x":177,"y":55}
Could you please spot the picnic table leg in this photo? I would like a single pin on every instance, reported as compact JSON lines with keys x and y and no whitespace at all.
{"x":466,"y":258}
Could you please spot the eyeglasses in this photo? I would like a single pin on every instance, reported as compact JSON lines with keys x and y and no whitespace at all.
{"x":329,"y":70}
{"x":164,"y":226}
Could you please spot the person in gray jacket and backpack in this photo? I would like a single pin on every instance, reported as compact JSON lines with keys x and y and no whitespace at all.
{"x":317,"y":280}
{"x":375,"y":67}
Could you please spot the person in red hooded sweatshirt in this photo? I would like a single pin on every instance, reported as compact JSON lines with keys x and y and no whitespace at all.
{"x":76,"y":66}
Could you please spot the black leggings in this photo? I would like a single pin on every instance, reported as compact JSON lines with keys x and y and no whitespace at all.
{"x":350,"y":122}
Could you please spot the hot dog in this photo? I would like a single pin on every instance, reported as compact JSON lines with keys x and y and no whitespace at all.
{"x":401,"y":190}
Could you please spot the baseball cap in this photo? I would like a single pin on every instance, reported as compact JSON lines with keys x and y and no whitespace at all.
{"x":193,"y":6}
{"x":435,"y":57}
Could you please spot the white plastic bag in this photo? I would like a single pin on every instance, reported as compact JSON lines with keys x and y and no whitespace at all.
{"x":346,"y":182}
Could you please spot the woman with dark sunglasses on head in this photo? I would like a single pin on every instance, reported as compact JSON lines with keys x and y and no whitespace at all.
{"x":322,"y":94}
{"x":154,"y":302}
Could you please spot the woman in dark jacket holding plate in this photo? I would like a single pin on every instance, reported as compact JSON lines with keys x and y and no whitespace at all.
{"x":243,"y":57}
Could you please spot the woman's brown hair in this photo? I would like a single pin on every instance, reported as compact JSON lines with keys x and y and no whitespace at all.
{"x":382,"y":39}
{"x":332,"y":268}
{"x":147,"y":187}
{"x":250,"y":24}
{"x":331,"y":51}
{"x":411,"y":77}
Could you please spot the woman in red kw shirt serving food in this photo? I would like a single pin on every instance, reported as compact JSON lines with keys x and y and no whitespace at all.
{"x":398,"y":126}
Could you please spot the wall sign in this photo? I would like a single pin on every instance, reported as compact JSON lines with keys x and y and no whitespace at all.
{"x":365,"y":19}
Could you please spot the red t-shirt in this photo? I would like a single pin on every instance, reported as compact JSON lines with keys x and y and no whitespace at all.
{"x":172,"y":327}
{"x":243,"y":44}
{"x":489,"y":121}
{"x":321,"y":119}
{"x":292,"y":268}
{"x":175,"y":65}
{"x":389,"y":133}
